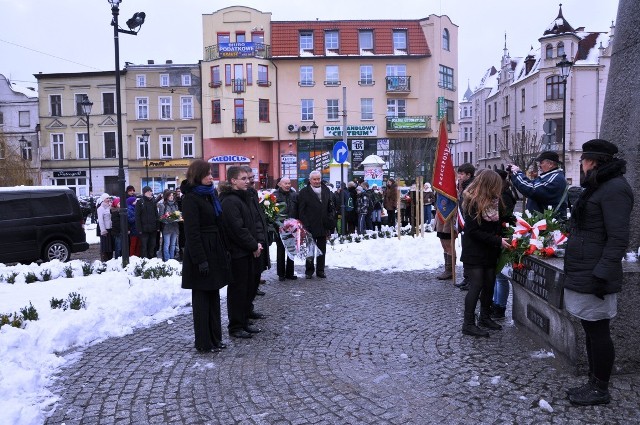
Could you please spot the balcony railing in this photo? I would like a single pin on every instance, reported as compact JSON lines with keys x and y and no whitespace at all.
{"x":398,"y":84}
{"x":409,"y":123}
{"x":239,"y":85}
{"x":239,"y":125}
{"x":215,"y":84}
{"x":306,"y":83}
{"x":446,"y":85}
{"x":366,"y":82}
{"x":264,"y":83}
{"x":233,"y":50}
{"x":332,"y":83}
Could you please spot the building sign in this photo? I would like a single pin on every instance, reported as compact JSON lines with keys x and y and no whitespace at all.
{"x":246,"y":49}
{"x":356,"y":158}
{"x":223,"y":159}
{"x":442,"y":108}
{"x":357,"y":145}
{"x":288,"y":158}
{"x":69,"y":173}
{"x":352,"y":130}
{"x":169,"y":163}
{"x":407,"y":123}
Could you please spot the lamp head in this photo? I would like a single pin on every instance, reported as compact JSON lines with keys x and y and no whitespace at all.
{"x":136,"y":20}
{"x":565,"y":67}
{"x":23,"y":142}
{"x":86,"y":106}
{"x":145,"y":136}
{"x":314,"y":128}
{"x":114,"y":3}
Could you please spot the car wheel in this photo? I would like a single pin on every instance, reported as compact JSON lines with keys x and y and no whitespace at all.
{"x":57,"y":250}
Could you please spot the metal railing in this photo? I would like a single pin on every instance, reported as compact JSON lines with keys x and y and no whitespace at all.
{"x":401,"y":84}
{"x":239,"y":125}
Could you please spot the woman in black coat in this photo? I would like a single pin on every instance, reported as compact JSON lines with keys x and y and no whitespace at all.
{"x":205,"y":267}
{"x":598,"y":239}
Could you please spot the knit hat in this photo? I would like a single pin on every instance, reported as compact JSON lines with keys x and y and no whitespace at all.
{"x":116,"y":202}
{"x":130,"y":188}
{"x":131,"y":200}
{"x":146,"y":189}
{"x":359,"y":189}
{"x":550,"y":155}
{"x":103,"y":197}
{"x":599,"y":147}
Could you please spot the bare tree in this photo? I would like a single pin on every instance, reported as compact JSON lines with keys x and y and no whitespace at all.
{"x":521,"y":149}
{"x":15,"y":169}
{"x":410,"y":157}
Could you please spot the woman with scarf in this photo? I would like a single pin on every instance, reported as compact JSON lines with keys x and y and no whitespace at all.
{"x":481,"y":245}
{"x":205,"y":267}
{"x":598,"y":239}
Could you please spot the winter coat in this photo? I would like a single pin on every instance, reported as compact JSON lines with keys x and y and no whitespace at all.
{"x":116,"y":228}
{"x":146,"y":215}
{"x":481,"y":242}
{"x":263,"y":229}
{"x":364,"y":203}
{"x":289,"y":199}
{"x":376,"y":199}
{"x":316,"y":215}
{"x":204,"y":242}
{"x":429,"y":197}
{"x":599,"y":232}
{"x":131,"y":216}
{"x":168,"y":207}
{"x":240,"y":220}
{"x":545,"y":190}
{"x":104,"y":217}
{"x":391,"y":197}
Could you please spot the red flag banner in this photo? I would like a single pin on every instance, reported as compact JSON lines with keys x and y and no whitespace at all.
{"x":444,"y":177}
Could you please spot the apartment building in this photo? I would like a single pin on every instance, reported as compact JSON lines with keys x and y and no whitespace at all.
{"x":275,"y":89}
{"x":462,"y":150}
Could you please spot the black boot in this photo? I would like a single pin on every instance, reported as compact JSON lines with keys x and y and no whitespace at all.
{"x":576,"y":390}
{"x":497,"y":312}
{"x":486,"y":322}
{"x":469,"y":326}
{"x":596,"y":392}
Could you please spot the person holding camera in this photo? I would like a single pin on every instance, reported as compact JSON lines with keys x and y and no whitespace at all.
{"x":546,"y":190}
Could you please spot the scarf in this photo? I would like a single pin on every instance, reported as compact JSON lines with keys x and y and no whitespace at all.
{"x":203,"y":190}
{"x":492,"y":212}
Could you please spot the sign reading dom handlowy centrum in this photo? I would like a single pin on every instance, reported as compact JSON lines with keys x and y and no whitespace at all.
{"x":352,"y":130}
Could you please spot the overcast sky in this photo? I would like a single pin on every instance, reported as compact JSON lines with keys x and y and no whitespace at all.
{"x":75,"y":35}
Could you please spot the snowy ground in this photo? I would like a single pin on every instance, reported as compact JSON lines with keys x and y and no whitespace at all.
{"x":117,"y":302}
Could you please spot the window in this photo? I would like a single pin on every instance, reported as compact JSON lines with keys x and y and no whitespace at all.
{"x":165,"y":107}
{"x":555,"y":88}
{"x":560,"y":49}
{"x":142,"y":108}
{"x":238,"y":78}
{"x":365,"y":40}
{"x":263,"y":75}
{"x":78,"y":98}
{"x":366,"y":75}
{"x":400,"y":40}
{"x":446,"y":40}
{"x":332,"y":78}
{"x":548,"y":51}
{"x":257,"y":37}
{"x":495,"y":111}
{"x":27,"y":151}
{"x":143,"y":148}
{"x":522,"y":99}
{"x":263,"y":110}
{"x":506,"y":139}
{"x":164,"y":80}
{"x":449,"y":104}
{"x":227,"y":74}
{"x":224,"y":37}
{"x":216,"y":112}
{"x":446,"y":78}
{"x":249,"y":74}
{"x":241,"y":37}
{"x":24,"y":118}
{"x":110,"y":144}
{"x":1,"y":118}
{"x":187,"y":146}
{"x":186,"y":107}
{"x":466,"y":135}
{"x":306,"y":41}
{"x":306,"y":76}
{"x":366,"y":109}
{"x":332,"y":110}
{"x":57,"y":146}
{"x":166,"y":145}
{"x":215,"y":76}
{"x":534,"y":94}
{"x":108,"y":103}
{"x":186,"y":80}
{"x":3,"y":150}
{"x":307,"y":110}
{"x":55,"y":103}
{"x":82,"y":144}
{"x":396,"y":107}
{"x":331,"y":40}
{"x":141,"y":80}
{"x":506,"y":107}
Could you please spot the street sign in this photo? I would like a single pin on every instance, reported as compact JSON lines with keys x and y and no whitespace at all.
{"x":549,"y":127}
{"x":340,"y":152}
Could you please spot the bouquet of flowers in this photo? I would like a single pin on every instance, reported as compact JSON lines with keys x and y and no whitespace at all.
{"x":271,"y":207}
{"x":173,"y":217}
{"x":533,"y":234}
{"x":298,"y":243}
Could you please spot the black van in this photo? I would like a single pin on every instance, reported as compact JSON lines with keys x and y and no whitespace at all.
{"x":40,"y":223}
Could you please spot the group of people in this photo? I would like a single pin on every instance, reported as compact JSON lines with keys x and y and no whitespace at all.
{"x":598,"y":237}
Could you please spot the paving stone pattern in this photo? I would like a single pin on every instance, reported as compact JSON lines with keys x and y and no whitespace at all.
{"x":356,"y":348}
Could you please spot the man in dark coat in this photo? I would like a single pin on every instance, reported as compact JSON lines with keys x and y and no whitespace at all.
{"x":243,"y":234}
{"x":316,"y":212}
{"x":147,"y":223}
{"x":284,"y":195}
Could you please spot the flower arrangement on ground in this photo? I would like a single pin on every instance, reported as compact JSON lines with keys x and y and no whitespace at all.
{"x":533,"y":234}
{"x":298,"y":243}
{"x":172,"y":217}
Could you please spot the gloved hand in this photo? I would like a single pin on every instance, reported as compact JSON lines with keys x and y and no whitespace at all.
{"x":204,"y":269}
{"x":599,"y":290}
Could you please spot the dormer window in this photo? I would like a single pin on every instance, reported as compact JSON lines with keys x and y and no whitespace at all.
{"x":331,"y":40}
{"x":400,"y":40}
{"x":306,"y":41}
{"x":365,"y":40}
{"x":560,"y":49}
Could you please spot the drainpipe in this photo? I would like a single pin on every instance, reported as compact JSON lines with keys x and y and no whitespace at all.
{"x":279,"y":168}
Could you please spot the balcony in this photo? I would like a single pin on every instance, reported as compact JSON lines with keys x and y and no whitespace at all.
{"x":239,"y":126}
{"x":239,"y":85}
{"x":215,"y":84}
{"x":409,"y":124}
{"x":306,"y":83}
{"x":237,"y":50}
{"x":332,"y":83}
{"x":263,"y":83}
{"x":366,"y":82}
{"x":398,"y":84}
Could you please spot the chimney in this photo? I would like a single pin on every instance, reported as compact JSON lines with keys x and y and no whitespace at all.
{"x":169,"y":61}
{"x":150,"y":62}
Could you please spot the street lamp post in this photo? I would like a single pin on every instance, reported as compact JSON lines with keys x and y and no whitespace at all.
{"x":314,"y":131}
{"x":86,"y":110}
{"x":565,"y":69}
{"x":135,"y":22}
{"x":145,"y":140}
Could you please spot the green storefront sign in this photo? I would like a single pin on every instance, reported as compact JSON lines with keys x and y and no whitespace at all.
{"x":407,"y":123}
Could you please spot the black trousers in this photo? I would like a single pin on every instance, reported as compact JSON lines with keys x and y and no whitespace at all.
{"x":241,"y":291}
{"x":481,"y":280}
{"x":309,"y":268}
{"x":600,"y":351}
{"x":391,"y":218}
{"x":148,"y":244}
{"x":285,"y":264}
{"x":206,"y":318}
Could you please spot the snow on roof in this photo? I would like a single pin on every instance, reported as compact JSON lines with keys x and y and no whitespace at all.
{"x":489,"y":79}
{"x":27,"y":91}
{"x":588,"y":48}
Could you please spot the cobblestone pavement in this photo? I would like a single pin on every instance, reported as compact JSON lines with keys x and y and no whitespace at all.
{"x":356,"y":348}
